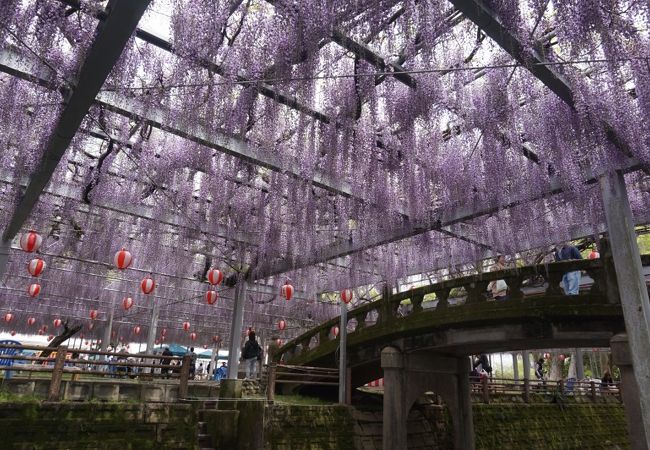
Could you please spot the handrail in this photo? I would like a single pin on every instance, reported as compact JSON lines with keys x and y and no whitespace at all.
{"x":591,"y":389}
{"x":601,"y":270}
{"x":60,"y":364}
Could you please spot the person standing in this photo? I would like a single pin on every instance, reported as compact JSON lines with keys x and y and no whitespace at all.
{"x":192,"y":363}
{"x":593,"y":254}
{"x":499,"y":288}
{"x":250,"y":354}
{"x":166,"y":362}
{"x":570,"y":280}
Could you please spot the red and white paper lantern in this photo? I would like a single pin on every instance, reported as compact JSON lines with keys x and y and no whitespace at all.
{"x":346,"y":295}
{"x":13,"y":332}
{"x":147,"y":285}
{"x":186,"y":326}
{"x":31,"y":321}
{"x":335,"y":331}
{"x":137,"y":329}
{"x":215,"y":277}
{"x":35,"y":267}
{"x":211,"y":297}
{"x":287,"y":291}
{"x":30,"y":242}
{"x":57,"y":323}
{"x":127,"y":303}
{"x":34,"y":289}
{"x":8,"y":317}
{"x":278,"y":342}
{"x":163,"y":332}
{"x":93,"y":314}
{"x":122,"y":259}
{"x":282,"y":324}
{"x":216,"y":338}
{"x":193,"y":336}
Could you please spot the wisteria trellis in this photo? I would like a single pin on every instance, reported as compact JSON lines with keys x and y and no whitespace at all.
{"x":466,"y":126}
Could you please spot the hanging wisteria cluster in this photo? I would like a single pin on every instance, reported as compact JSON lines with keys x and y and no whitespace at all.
{"x":326,"y":144}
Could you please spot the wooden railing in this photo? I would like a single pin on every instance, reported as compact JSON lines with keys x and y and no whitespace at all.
{"x":387,"y":308}
{"x":299,"y":375}
{"x":488,"y":389}
{"x":61,"y":360}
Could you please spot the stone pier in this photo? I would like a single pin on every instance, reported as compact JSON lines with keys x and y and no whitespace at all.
{"x":408,"y":376}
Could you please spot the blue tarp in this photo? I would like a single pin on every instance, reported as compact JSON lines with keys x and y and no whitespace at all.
{"x":177,"y":350}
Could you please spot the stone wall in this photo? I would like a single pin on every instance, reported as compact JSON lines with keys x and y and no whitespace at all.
{"x":518,"y":426}
{"x":308,"y":427}
{"x":59,"y":426}
{"x":551,"y":426}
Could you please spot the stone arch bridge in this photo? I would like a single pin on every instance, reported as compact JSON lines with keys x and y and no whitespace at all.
{"x":417,"y":348}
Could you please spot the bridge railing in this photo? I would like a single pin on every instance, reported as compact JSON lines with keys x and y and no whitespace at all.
{"x":488,"y":390}
{"x":387,"y":308}
{"x":54,"y":362}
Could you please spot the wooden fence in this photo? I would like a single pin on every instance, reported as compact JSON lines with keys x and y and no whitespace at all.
{"x":61,"y":360}
{"x":491,"y":388}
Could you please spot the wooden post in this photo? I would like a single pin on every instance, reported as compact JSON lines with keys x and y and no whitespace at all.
{"x":486,"y":392}
{"x":592,"y":388}
{"x":270,"y":385}
{"x":185,"y":376}
{"x":526,"y":390}
{"x":560,"y":386}
{"x":57,"y":374}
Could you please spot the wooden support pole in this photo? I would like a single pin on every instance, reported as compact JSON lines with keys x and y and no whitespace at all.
{"x":57,"y":374}
{"x":592,"y":389}
{"x":270,"y":385}
{"x":185,"y":376}
{"x":526,"y":390}
{"x":631,"y":284}
{"x":486,"y":392}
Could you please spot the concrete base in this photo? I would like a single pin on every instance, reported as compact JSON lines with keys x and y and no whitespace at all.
{"x":111,"y":390}
{"x":409,"y":376}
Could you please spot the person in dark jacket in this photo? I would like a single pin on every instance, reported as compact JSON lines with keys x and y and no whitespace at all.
{"x":251,"y":353}
{"x":166,"y":363}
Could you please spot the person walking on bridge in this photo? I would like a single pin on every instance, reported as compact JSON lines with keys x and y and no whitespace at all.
{"x":570,"y":280}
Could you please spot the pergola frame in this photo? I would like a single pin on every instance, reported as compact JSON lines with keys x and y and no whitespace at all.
{"x":15,"y":63}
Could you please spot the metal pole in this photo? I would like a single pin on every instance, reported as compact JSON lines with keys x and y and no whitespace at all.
{"x":515,"y":367}
{"x":236,"y":327}
{"x":153,"y":327}
{"x":580,"y":364}
{"x":109,"y":326}
{"x":526,"y":357}
{"x":343,"y":333}
{"x":631,"y":284}
{"x":214,"y":359}
{"x":5,"y":247}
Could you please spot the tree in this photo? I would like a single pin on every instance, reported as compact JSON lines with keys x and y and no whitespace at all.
{"x":60,"y":339}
